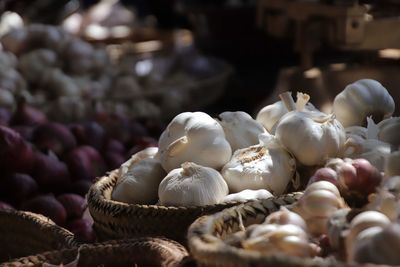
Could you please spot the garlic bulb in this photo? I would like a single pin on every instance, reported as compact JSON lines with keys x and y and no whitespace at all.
{"x":241,"y":130}
{"x":312,"y":137}
{"x":285,"y":216}
{"x":247,"y":195}
{"x":362,"y":221}
{"x":271,"y":239}
{"x":392,"y":164}
{"x":377,"y":245}
{"x":319,"y":201}
{"x":139,"y":179}
{"x":389,"y":131}
{"x":194,"y":137}
{"x":269,"y":115}
{"x":264,"y":166}
{"x":361,"y":99}
{"x":192,"y":185}
{"x":386,"y":200}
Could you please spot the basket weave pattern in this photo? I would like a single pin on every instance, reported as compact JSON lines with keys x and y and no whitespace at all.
{"x":206,"y":234}
{"x":142,"y":252}
{"x":116,"y":220}
{"x":25,"y":233}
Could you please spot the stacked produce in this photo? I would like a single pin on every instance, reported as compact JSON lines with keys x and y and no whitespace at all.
{"x":71,"y":80}
{"x":346,"y":162}
{"x":47,"y":167}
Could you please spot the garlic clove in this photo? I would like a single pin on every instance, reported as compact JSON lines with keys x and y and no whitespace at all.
{"x":192,"y":185}
{"x":284,"y":216}
{"x":361,"y":99}
{"x":149,"y":152}
{"x":247,"y":195}
{"x":388,"y":131}
{"x":241,"y":130}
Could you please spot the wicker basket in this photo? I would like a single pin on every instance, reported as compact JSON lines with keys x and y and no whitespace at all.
{"x":116,"y":220}
{"x":24,"y":233}
{"x":208,"y":249}
{"x":130,"y":252}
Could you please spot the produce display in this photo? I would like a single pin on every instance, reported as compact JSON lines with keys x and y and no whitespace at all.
{"x":48,"y":167}
{"x":350,"y":172}
{"x":71,"y":80}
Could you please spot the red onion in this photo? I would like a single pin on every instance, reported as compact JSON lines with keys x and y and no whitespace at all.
{"x":27,"y":115}
{"x":80,"y":187}
{"x":55,"y":137}
{"x":82,"y":229}
{"x":74,"y":204}
{"x":325,"y":174}
{"x":114,"y":160}
{"x":5,"y":116}
{"x":16,"y":155}
{"x":18,"y":187}
{"x":48,"y":206}
{"x":89,"y":133}
{"x":85,"y":163}
{"x":5,"y":206}
{"x":369,"y":177}
{"x":25,"y":131}
{"x":113,"y":145}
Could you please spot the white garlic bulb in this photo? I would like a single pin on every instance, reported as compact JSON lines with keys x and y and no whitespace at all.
{"x":359,"y":223}
{"x":194,"y":137}
{"x":389,"y":131}
{"x":271,"y":239}
{"x":312,"y":137}
{"x":361,"y":99}
{"x":139,"y":179}
{"x":248,"y":194}
{"x":192,"y":185}
{"x":285,"y":216}
{"x":241,"y":130}
{"x":269,"y":115}
{"x":264,"y":166}
{"x":392,"y":164}
{"x":377,"y":245}
{"x":319,"y":201}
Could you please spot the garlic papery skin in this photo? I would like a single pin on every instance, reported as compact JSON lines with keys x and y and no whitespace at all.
{"x":362,"y":221}
{"x":319,"y":201}
{"x":192,"y":185}
{"x":138,"y":178}
{"x":392,"y":164}
{"x":150,"y":152}
{"x":337,"y":223}
{"x":378,"y":246}
{"x":241,"y":130}
{"x":285,"y":216}
{"x":361,"y":99}
{"x":312,"y":137}
{"x":194,"y":137}
{"x":264,"y":166}
{"x":389,"y":131}
{"x":269,"y":115}
{"x":286,"y":239}
{"x":247,"y":195}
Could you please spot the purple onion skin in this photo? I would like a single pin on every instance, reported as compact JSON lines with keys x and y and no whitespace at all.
{"x":80,"y":187}
{"x":85,"y":163}
{"x":27,"y":115}
{"x":50,"y":173}
{"x":89,"y":133}
{"x":48,"y":206}
{"x":5,"y":117}
{"x":55,"y":137}
{"x":82,"y":230}
{"x":16,"y":155}
{"x":18,"y":187}
{"x":5,"y":206}
{"x":74,"y":205}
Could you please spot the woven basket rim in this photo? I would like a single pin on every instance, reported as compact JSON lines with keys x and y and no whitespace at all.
{"x":160,"y":244}
{"x":41,"y":221}
{"x":96,"y":194}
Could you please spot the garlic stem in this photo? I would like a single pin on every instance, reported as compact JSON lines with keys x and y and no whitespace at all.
{"x":287,"y":99}
{"x":302,"y":100}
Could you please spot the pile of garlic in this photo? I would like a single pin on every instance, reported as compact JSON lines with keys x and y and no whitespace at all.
{"x":204,"y":160}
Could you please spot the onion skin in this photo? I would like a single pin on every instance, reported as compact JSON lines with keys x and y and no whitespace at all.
{"x":369,"y":176}
{"x":80,"y":187}
{"x":6,"y":206}
{"x":27,"y":115}
{"x":55,"y":137}
{"x":74,"y":204}
{"x":48,"y":206}
{"x":89,"y":133}
{"x":82,"y":229}
{"x":16,"y":155}
{"x":5,"y":116}
{"x":18,"y":187}
{"x":50,"y":173}
{"x":85,"y":163}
